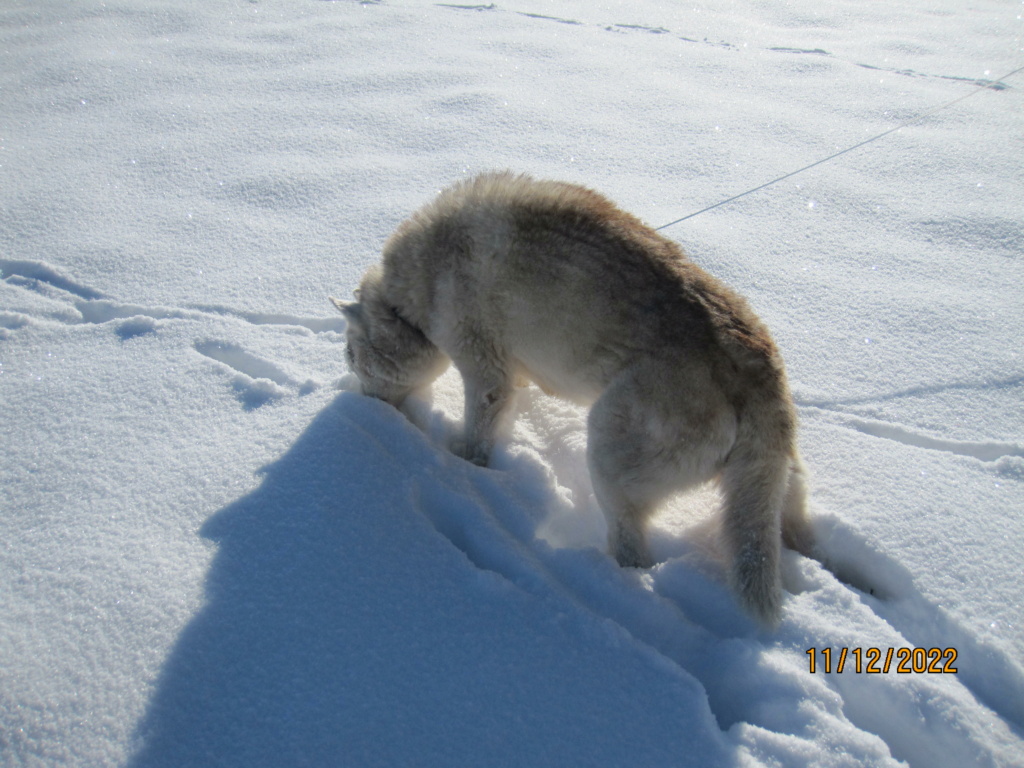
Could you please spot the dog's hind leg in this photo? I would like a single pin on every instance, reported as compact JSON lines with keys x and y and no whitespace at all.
{"x":627,"y":518}
{"x":797,"y":532}
{"x":617,"y":455}
{"x":652,"y":432}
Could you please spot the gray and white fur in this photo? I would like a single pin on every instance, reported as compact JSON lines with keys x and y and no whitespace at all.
{"x":516,"y":279}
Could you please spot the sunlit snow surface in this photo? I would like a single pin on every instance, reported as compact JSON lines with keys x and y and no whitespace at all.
{"x":214,"y":551}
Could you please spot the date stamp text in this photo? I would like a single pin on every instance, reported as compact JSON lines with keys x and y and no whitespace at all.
{"x":904,"y":661}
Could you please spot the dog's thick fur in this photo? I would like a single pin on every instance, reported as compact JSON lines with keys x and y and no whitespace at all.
{"x":512,"y":278}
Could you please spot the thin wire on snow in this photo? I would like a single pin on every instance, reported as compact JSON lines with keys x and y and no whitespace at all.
{"x":983,"y":86}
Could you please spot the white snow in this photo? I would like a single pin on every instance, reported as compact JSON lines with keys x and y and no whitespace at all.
{"x":214,"y":552}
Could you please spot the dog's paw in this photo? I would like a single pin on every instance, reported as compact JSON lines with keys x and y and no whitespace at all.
{"x":475,"y":454}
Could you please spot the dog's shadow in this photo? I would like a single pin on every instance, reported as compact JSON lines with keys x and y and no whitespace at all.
{"x":321,"y":640}
{"x":270,"y":669}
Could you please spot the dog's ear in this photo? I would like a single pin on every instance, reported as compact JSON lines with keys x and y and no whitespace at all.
{"x":352,"y":310}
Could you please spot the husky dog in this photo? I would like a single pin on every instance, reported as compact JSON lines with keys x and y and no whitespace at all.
{"x":512,"y":278}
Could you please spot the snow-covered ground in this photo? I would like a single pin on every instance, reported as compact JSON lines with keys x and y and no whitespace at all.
{"x":214,"y":553}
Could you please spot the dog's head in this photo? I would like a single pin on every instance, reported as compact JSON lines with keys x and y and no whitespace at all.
{"x":390,"y":356}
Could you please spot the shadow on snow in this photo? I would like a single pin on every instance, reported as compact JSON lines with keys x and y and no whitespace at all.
{"x":341,"y":628}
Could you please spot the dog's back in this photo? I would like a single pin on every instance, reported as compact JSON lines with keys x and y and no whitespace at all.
{"x":569,"y":284}
{"x":511,"y":277}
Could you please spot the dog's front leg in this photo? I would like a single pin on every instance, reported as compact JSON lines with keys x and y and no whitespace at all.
{"x":488,"y":391}
{"x":487,"y":402}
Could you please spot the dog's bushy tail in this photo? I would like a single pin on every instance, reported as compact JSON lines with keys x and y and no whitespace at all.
{"x":763,"y":489}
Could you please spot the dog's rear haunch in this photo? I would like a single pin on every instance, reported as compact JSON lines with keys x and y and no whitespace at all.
{"x":512,"y":278}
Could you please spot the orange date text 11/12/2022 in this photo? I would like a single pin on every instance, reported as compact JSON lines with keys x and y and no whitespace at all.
{"x":877,"y":661}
